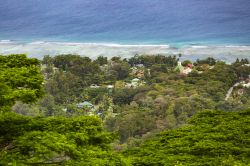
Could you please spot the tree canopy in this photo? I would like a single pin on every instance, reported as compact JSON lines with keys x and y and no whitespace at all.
{"x":20,"y":79}
{"x":55,"y":140}
{"x":210,"y":138}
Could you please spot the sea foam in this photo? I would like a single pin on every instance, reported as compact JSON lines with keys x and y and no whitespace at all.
{"x":38,"y":49}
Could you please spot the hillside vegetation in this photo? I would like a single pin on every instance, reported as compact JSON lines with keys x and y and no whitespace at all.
{"x":210,"y":138}
{"x":146,"y":110}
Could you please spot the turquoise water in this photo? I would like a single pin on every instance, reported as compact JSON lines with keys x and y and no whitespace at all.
{"x":174,"y":22}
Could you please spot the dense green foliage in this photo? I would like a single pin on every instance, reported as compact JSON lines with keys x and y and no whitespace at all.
{"x":148,"y":61}
{"x":55,"y":140}
{"x":209,"y":61}
{"x":211,"y":138}
{"x":213,"y":83}
{"x":20,"y":79}
{"x":136,"y":98}
{"x":58,"y":140}
{"x":166,"y":97}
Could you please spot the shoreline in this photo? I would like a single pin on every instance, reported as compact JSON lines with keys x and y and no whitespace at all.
{"x":38,"y":49}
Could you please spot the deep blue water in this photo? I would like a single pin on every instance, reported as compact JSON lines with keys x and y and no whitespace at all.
{"x":176,"y":22}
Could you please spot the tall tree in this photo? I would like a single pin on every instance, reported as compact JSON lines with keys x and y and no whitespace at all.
{"x":20,"y":79}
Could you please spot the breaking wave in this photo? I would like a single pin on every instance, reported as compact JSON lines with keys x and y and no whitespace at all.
{"x":38,"y":49}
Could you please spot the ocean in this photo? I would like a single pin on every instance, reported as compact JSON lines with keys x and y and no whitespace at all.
{"x":125,"y":27}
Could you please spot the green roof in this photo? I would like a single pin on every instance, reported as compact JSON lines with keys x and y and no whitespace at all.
{"x":84,"y":104}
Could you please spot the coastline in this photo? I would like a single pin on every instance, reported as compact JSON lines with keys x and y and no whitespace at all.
{"x":38,"y":49}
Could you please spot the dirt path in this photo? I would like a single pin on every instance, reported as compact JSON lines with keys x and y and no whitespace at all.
{"x":229,"y":92}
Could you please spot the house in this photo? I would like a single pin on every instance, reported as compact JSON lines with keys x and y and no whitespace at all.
{"x":187,"y":69}
{"x":137,"y":72}
{"x":190,"y":65}
{"x":139,"y":65}
{"x":140,"y":73}
{"x":94,"y":86}
{"x":110,"y":86}
{"x":246,"y":85}
{"x":134,"y":83}
{"x":85,"y":104}
{"x":128,"y":85}
{"x":184,"y":70}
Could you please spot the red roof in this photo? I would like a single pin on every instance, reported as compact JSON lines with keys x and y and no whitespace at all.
{"x":190,"y":65}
